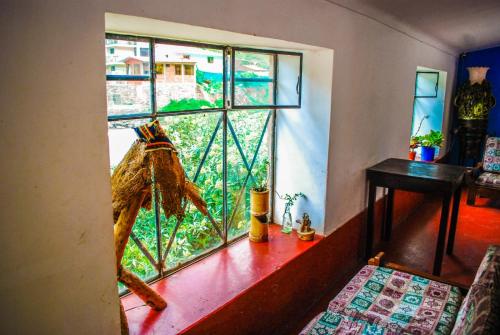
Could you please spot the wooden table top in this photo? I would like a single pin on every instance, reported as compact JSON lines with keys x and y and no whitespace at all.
{"x":417,"y":169}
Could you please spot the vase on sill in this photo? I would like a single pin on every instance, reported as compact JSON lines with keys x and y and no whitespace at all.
{"x":259,"y":209}
{"x":286,"y":222}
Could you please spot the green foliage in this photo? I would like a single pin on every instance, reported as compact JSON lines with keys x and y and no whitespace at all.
{"x":196,"y":234}
{"x":433,"y":139}
{"x":189,"y":104}
{"x":474,"y":101}
{"x":290,"y":199}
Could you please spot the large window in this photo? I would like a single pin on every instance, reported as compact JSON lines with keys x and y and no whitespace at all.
{"x":218,"y":105}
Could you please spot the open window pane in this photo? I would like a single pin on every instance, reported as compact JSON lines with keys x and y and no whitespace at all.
{"x":253,"y":79}
{"x":188,"y":78}
{"x":426,"y":85}
{"x":128,"y":97}
{"x":127,"y":58}
{"x":288,"y":80}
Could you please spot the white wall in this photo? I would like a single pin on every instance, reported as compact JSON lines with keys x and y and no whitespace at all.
{"x":303,"y":141}
{"x":57,"y":271}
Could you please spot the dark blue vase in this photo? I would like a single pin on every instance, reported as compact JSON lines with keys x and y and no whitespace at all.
{"x":427,"y":153}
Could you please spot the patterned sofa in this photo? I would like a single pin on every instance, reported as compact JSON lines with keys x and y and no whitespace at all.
{"x":384,"y":300}
{"x":484,"y":180}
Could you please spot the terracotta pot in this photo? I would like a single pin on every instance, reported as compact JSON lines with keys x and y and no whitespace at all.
{"x":259,"y":210}
{"x":412,"y":155}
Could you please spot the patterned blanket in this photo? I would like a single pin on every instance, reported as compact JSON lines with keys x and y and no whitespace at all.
{"x":383,"y":301}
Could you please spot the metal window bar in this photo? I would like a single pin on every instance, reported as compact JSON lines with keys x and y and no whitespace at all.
{"x":228,"y":92}
{"x":249,"y":173}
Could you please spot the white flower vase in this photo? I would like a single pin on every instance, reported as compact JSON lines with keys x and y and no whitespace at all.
{"x":477,"y":74}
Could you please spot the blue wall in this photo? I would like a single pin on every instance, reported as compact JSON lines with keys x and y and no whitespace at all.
{"x":491,"y":58}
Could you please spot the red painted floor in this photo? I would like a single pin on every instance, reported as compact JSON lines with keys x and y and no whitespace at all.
{"x":413,"y":242}
{"x":202,"y":288}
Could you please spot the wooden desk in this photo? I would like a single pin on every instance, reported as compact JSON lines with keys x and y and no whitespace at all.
{"x":420,"y":177}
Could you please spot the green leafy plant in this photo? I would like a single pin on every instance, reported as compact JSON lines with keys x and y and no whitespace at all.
{"x":196,"y":235}
{"x":290,"y":199}
{"x":474,"y":101}
{"x":432,"y":139}
{"x":189,"y":104}
{"x":261,"y":185}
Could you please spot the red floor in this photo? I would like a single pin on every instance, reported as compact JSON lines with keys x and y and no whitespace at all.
{"x":413,"y":244}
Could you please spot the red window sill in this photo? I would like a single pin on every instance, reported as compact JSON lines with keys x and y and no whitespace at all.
{"x":201,"y":289}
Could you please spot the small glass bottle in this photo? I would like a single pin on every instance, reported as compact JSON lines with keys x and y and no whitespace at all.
{"x":286,"y":223}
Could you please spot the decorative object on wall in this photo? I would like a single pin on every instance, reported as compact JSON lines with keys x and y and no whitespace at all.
{"x":429,"y":142}
{"x":151,"y":162}
{"x":474,"y":101}
{"x":305,"y":232}
{"x":259,"y":210}
{"x":286,"y":223}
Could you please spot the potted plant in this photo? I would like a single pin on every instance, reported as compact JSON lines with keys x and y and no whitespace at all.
{"x":429,"y":142}
{"x":474,"y":101}
{"x":414,"y":142}
{"x":259,"y":210}
{"x":286,"y":224}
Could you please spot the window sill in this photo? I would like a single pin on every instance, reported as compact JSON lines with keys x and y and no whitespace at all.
{"x":203,"y":288}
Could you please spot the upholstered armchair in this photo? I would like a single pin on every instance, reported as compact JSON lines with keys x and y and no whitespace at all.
{"x":484,"y":180}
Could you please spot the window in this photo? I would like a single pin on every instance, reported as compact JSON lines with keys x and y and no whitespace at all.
{"x":113,"y":68}
{"x":188,"y":70}
{"x":112,"y":51}
{"x":178,"y":69}
{"x":144,"y":52}
{"x":159,"y":68}
{"x":224,"y":150}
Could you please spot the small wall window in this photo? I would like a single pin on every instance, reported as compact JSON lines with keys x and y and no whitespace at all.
{"x":188,"y":70}
{"x":428,"y":102}
{"x":178,"y":69}
{"x":210,"y":59}
{"x":112,"y":51}
{"x":144,"y":52}
{"x":159,"y":68}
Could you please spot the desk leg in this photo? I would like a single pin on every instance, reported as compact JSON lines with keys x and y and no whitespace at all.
{"x":388,"y":215}
{"x":369,"y":220}
{"x":438,"y":258}
{"x":454,"y":218}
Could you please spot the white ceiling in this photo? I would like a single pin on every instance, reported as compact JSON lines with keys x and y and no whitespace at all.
{"x":461,"y":25}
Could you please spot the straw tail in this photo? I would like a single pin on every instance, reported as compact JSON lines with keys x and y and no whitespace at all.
{"x":130,"y":178}
{"x":193,"y":194}
{"x":170,"y":181}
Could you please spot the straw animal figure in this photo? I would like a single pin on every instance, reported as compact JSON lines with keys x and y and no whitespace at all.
{"x":151,"y":162}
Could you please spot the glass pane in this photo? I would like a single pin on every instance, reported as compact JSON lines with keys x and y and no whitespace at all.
{"x":426,"y":84}
{"x":188,"y":78}
{"x":191,"y":135}
{"x":121,"y":136}
{"x":127,"y":57}
{"x":128,"y":97}
{"x":288,"y":80}
{"x":248,"y":126}
{"x":253,"y":79}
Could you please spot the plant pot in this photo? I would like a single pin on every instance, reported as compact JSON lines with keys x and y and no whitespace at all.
{"x":259,"y":210}
{"x":472,"y":133}
{"x":412,"y":155}
{"x":427,"y":154}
